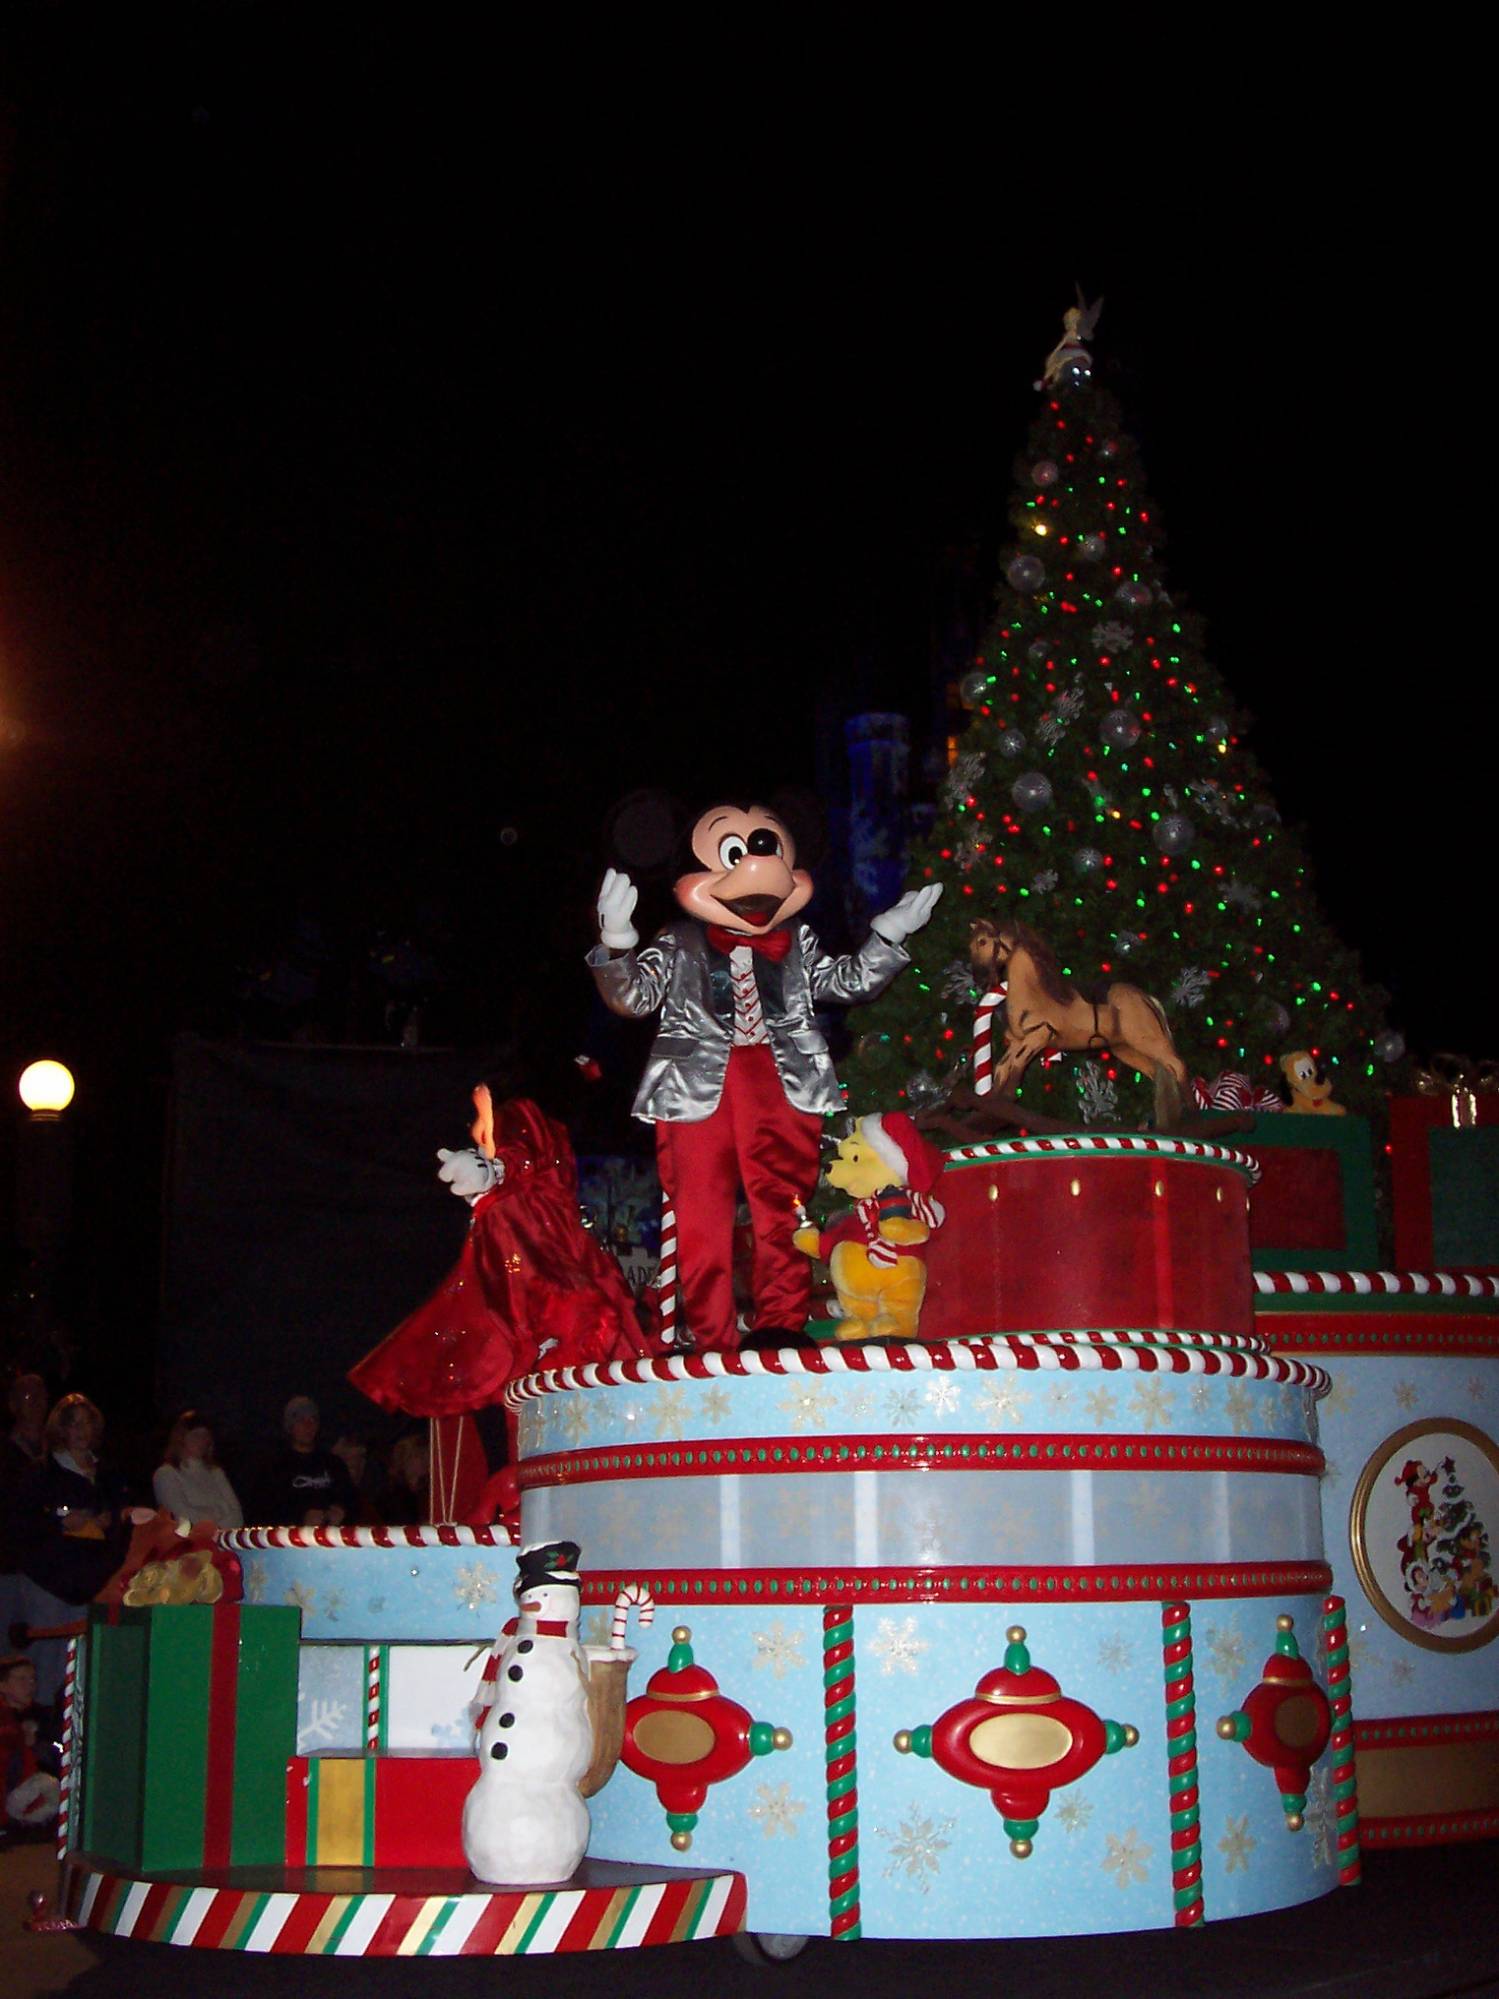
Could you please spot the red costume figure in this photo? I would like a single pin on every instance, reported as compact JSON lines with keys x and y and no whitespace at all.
{"x":739,"y":1079}
{"x":530,"y":1288}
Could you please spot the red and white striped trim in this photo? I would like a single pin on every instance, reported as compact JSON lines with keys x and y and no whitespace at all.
{"x":1375,"y":1284}
{"x":939,"y":1357}
{"x":614,"y":1907}
{"x":436,"y":1536}
{"x":1118,"y":1144}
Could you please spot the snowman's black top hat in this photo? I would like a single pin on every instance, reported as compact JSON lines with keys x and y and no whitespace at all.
{"x":546,"y":1562}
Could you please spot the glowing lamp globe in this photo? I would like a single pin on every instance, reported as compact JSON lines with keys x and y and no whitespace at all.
{"x":46,"y":1088}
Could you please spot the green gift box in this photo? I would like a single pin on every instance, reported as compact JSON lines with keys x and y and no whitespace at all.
{"x":190,"y":1714}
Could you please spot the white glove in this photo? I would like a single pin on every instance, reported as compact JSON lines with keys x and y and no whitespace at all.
{"x":912,"y":913}
{"x":470,"y":1173}
{"x":616,"y":906}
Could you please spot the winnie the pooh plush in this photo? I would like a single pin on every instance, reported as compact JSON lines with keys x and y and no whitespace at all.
{"x":876,"y":1250}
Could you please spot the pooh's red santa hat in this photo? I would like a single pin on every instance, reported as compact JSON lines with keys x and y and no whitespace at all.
{"x":914,"y":1161}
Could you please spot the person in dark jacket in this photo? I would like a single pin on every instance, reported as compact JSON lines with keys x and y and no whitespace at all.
{"x":305,"y":1485}
{"x":71,"y":1531}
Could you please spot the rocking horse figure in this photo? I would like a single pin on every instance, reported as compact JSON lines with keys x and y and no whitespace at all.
{"x":1044,"y":1011}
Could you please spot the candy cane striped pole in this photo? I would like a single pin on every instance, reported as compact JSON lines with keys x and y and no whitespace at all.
{"x":843,"y":1771}
{"x":645,"y":1613}
{"x":1344,"y":1769}
{"x":70,"y":1704}
{"x":666,"y":1276}
{"x":374,"y":1698}
{"x":983,"y":1043}
{"x":1181,"y":1766}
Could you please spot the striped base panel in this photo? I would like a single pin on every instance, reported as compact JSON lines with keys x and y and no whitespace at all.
{"x":368,"y":1912}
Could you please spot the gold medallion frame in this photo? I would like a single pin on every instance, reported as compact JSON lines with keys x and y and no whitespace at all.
{"x":1368,"y":1478}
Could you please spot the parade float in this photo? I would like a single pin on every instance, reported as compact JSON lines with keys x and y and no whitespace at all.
{"x":1097,"y":1575}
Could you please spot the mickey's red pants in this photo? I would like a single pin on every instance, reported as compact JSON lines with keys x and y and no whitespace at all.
{"x":757,"y":1141}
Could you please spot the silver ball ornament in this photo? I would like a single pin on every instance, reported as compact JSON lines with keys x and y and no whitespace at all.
{"x":1091,"y":547}
{"x":1044,"y":472}
{"x":1031,"y":791}
{"x":1026,"y":575}
{"x":1121,"y":728}
{"x":923,"y":1091}
{"x":1218,"y":729}
{"x":973,"y":688}
{"x":1012,"y":742}
{"x":1278,"y":1019}
{"x":1125,"y":941}
{"x":1174,"y":834}
{"x":1109,"y":449}
{"x":1134,"y":593}
{"x":1390,"y":1046}
{"x":1038,"y":652}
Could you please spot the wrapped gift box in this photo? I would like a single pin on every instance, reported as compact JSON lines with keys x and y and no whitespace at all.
{"x":190,"y":1715}
{"x":1445,"y":1171}
{"x":1313,"y":1208}
{"x":377,"y":1811}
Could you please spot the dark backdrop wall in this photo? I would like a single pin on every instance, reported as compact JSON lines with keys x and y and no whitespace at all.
{"x":304,"y":1219}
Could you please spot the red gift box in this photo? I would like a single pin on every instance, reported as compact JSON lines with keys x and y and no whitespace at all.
{"x":377,"y":1811}
{"x":1444,"y":1152}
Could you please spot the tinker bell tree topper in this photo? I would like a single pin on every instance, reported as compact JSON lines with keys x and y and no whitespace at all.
{"x":739,"y":1078}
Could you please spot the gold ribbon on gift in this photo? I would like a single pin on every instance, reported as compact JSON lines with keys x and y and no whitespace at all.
{"x":1460,"y":1081}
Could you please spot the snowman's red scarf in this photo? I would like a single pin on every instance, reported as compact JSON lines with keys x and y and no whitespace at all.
{"x":904,"y":1202}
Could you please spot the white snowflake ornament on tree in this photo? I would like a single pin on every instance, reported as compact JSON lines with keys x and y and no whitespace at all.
{"x":962,"y":778}
{"x":1097,"y":1094}
{"x":1192,"y":986}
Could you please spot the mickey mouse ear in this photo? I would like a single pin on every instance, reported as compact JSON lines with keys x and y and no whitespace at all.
{"x":804,"y":814}
{"x":640,"y":831}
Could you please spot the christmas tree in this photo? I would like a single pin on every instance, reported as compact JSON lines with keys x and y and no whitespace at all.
{"x":1103,"y":795}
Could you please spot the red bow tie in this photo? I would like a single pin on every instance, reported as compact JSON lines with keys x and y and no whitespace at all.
{"x":772,"y":944}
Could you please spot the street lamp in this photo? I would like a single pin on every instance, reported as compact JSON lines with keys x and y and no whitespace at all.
{"x":46,"y":1088}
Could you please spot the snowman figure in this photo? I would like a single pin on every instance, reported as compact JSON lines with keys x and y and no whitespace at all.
{"x":524,"y":1822}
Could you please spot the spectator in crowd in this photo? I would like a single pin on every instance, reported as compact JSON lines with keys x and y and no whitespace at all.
{"x":306,"y":1485}
{"x":190,"y":1482}
{"x":28,"y":1785}
{"x":23,"y":1446}
{"x":364,"y":1476}
{"x":408,"y":1503}
{"x":71,"y":1531}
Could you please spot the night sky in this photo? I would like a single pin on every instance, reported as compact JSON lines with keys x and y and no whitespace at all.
{"x":408,"y":445}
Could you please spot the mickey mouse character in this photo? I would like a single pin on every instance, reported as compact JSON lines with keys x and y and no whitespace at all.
{"x":739,"y":1078}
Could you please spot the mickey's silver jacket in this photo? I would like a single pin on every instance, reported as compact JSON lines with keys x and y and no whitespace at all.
{"x":680,"y":972}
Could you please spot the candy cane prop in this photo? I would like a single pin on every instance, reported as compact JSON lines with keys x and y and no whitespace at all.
{"x":638,"y":1596}
{"x":666,"y":1276}
{"x":70,"y":1706}
{"x":983,"y":1041}
{"x":374,"y":1659}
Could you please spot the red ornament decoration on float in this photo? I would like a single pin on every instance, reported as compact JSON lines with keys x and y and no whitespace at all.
{"x":1019,"y":1738}
{"x":1284,"y":1723}
{"x":682,"y":1734}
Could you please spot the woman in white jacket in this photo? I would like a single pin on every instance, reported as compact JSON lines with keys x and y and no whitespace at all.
{"x":191,"y":1483}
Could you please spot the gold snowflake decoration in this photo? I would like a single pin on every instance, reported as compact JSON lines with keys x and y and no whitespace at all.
{"x":1127,"y":1859}
{"x":1151,"y":1406}
{"x":1236,"y":1845}
{"x":805,"y":1406}
{"x":1238,"y":1407}
{"x":1100,"y":1405}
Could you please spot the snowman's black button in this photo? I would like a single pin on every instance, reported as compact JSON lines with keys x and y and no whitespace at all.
{"x":507,"y":1721}
{"x":517,"y":1673}
{"x":526,"y":1645}
{"x":499,"y":1751}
